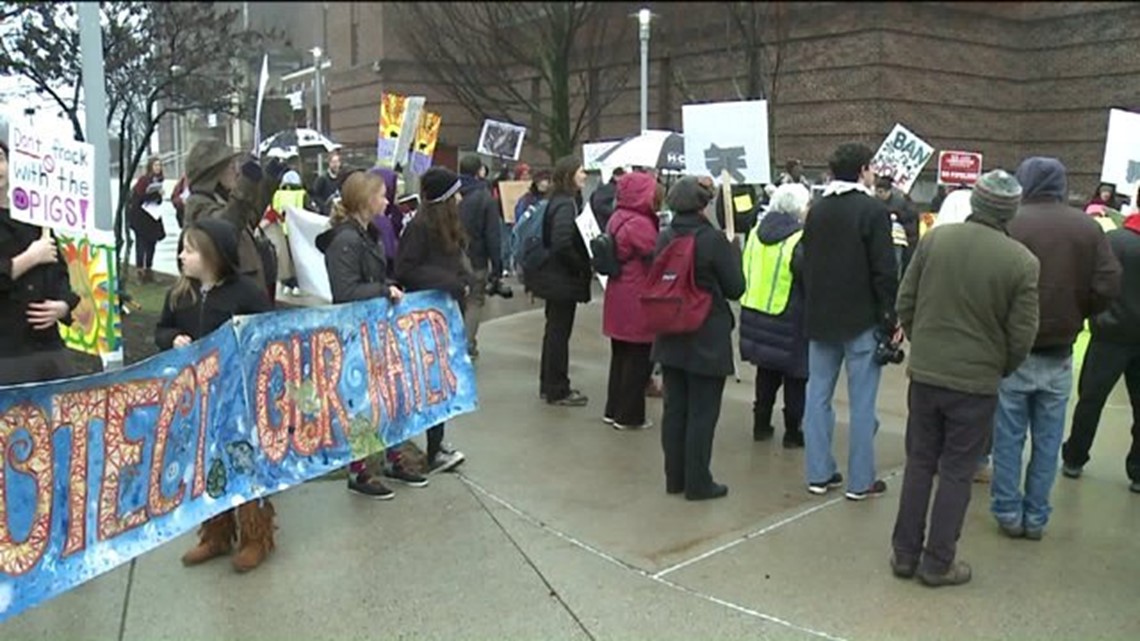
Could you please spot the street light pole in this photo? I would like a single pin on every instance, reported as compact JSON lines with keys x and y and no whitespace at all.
{"x":643,"y":18}
{"x":317,"y":91}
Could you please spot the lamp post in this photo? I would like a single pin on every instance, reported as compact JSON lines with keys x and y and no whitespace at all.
{"x":643,"y":18}
{"x":318,"y":97}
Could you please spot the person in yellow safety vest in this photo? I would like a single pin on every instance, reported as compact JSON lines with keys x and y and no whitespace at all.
{"x":291,"y":194}
{"x":771,"y":317}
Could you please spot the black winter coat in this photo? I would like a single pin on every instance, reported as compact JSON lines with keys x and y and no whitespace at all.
{"x":1120,"y":323}
{"x":40,"y":283}
{"x":421,"y":265}
{"x":850,"y":273}
{"x":778,"y":342}
{"x":565,"y":276}
{"x":603,"y":202}
{"x":355,"y":262}
{"x":707,"y":351}
{"x":234,"y":296}
{"x":483,"y":222}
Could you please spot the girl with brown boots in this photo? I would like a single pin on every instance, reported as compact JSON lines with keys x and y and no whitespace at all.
{"x":209,"y":293}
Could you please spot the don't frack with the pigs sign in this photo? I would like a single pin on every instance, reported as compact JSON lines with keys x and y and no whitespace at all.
{"x":51,"y":180}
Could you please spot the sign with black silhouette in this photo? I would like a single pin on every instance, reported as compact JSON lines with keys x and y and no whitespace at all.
{"x":902,"y":157}
{"x":1121,"y":165}
{"x":501,"y":139}
{"x":728,"y":137}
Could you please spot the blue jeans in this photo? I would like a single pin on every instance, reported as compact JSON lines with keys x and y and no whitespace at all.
{"x":824,"y":361}
{"x":1031,"y":401}
{"x":508,"y":246}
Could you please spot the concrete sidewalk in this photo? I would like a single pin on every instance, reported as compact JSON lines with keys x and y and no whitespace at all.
{"x":558,"y":527}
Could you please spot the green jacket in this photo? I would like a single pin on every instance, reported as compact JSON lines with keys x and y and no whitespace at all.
{"x":968,"y":305}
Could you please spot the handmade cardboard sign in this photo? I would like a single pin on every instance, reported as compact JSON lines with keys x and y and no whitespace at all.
{"x":51,"y":180}
{"x":902,"y":157}
{"x":728,"y":137}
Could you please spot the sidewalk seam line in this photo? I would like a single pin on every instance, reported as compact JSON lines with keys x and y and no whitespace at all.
{"x":127,"y":600}
{"x":636,"y":570}
{"x":533,"y":566}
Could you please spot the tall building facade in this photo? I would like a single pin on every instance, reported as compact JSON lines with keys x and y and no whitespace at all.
{"x":1006,"y":79}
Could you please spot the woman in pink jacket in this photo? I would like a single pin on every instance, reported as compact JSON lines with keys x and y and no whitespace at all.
{"x":634,"y":227}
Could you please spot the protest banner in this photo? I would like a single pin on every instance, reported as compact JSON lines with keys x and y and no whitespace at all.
{"x":413,"y":114}
{"x":96,"y":326}
{"x":51,"y":180}
{"x":510,"y":192}
{"x":589,"y":230}
{"x":262,"y":84}
{"x":392,"y":108}
{"x":902,"y":157}
{"x":591,"y":151}
{"x":427,"y":135}
{"x":1121,"y":166}
{"x":98,"y":470}
{"x":501,"y":139}
{"x":728,"y":137}
{"x":959,"y":167}
{"x":308,"y":261}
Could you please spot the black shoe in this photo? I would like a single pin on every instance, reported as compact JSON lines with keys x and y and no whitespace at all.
{"x":715,"y":492}
{"x":573,"y":399}
{"x":398,"y":472}
{"x":958,"y":574}
{"x":834,"y":482}
{"x":367,"y":485}
{"x":793,"y":440}
{"x":903,"y":570}
{"x":1071,"y":471}
{"x":877,"y":489}
{"x":674,"y":489}
{"x":760,"y":434}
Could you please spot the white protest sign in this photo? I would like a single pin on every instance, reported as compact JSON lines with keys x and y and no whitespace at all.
{"x":592,"y":150}
{"x":1121,"y":165}
{"x":262,"y":83}
{"x":51,"y":181}
{"x":728,"y":136}
{"x":308,"y":261}
{"x":589,"y":229}
{"x":501,"y":139}
{"x":902,"y":157}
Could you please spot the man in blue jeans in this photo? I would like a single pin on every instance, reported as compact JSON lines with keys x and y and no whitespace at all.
{"x":1079,"y":278}
{"x":851,"y":279}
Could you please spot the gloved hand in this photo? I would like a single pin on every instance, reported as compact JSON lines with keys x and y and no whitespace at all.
{"x":252,"y":170}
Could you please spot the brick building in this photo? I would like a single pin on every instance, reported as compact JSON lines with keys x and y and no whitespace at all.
{"x":1006,"y":79}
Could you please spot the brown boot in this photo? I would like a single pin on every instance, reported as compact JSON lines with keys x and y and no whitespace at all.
{"x":255,"y":523}
{"x":216,"y":538}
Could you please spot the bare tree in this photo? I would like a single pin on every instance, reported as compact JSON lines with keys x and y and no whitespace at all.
{"x":552,"y":65}
{"x":160,"y":58}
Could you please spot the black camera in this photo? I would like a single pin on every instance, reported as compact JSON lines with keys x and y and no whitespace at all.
{"x":887,"y":351}
{"x":498,"y":288}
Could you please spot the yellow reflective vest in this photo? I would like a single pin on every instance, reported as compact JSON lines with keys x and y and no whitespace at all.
{"x":283,"y":198}
{"x":768,"y":273}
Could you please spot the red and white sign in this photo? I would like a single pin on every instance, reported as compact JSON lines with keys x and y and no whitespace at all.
{"x":959,"y":167}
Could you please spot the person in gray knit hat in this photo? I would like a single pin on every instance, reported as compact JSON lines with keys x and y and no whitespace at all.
{"x":968,"y":303}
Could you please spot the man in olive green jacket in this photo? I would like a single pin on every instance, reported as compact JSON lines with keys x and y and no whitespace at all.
{"x":968,"y":303}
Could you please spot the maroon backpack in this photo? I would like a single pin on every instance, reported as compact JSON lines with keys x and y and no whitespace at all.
{"x":671,"y":301}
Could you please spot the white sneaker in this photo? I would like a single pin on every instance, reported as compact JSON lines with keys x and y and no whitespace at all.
{"x":445,"y":461}
{"x":296,"y":291}
{"x":631,"y":428}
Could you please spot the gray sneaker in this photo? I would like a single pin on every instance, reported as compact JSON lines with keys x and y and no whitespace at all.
{"x":445,"y":461}
{"x":958,"y":574}
{"x":1012,"y":530}
{"x":1134,"y":487}
{"x":1071,"y":471}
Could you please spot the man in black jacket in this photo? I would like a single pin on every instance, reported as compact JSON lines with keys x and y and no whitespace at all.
{"x":1114,"y":351}
{"x":851,"y":278}
{"x":604,"y":199}
{"x":480,"y":214}
{"x":327,"y":186}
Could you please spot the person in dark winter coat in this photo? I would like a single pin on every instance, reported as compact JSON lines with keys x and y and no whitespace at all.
{"x":604,"y":199}
{"x":772,"y":314}
{"x":695,"y":365}
{"x":1113,"y":351}
{"x":326,"y":186}
{"x":1079,"y":278}
{"x":147,"y":229}
{"x":357,"y":270}
{"x":432,"y":256}
{"x":210,"y":292}
{"x":482,"y":220}
{"x":562,"y":281}
{"x":35,"y":295}
{"x":969,"y":304}
{"x":851,"y":277}
{"x":633,"y":227}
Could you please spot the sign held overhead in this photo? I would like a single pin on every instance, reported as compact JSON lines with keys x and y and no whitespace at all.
{"x":728,"y":138}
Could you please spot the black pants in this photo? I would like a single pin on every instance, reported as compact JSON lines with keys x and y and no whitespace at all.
{"x":434,"y":440}
{"x":554,"y":382}
{"x":768,"y":382}
{"x":144,"y":252}
{"x":630,"y":370}
{"x":692,"y":408}
{"x":946,"y":432}
{"x":1104,"y":364}
{"x":36,"y":367}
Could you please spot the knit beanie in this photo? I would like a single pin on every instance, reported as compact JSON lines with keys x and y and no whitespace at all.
{"x":996,"y":197}
{"x":438,"y":184}
{"x":689,"y":195}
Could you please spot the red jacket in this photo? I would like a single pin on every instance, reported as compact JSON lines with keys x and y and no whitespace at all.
{"x":634,"y":227}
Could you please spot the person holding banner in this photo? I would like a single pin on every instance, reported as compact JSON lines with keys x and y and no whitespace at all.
{"x":35,"y":295}
{"x":209,"y":293}
{"x":432,"y":256}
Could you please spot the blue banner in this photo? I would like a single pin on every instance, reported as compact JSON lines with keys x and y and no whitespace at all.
{"x":100,"y":469}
